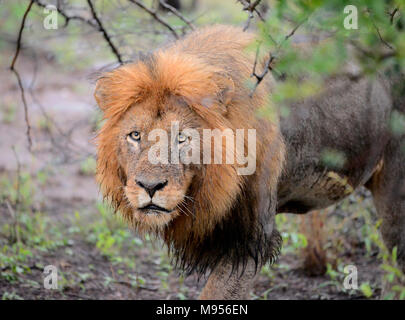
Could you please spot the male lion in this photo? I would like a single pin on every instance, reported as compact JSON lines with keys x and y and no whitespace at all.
{"x":211,"y":217}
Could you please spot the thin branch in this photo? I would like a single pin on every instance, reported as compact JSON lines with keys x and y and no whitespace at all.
{"x":17,"y":52}
{"x":14,"y":70}
{"x":260,"y":77}
{"x":177,"y":13}
{"x":392,"y":15}
{"x":256,"y":58}
{"x":154,"y":14}
{"x":66,"y":16}
{"x":95,"y":23}
{"x":26,"y":117}
{"x":272,"y":56}
{"x":380,"y":36}
{"x":104,"y":32}
{"x":250,"y":7}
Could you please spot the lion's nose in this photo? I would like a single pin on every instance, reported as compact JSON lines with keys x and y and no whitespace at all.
{"x":151,"y":186}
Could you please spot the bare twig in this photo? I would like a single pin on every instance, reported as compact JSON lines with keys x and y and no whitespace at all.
{"x":266,"y":69}
{"x":154,"y":14}
{"x":67,"y":17}
{"x":14,"y":70}
{"x":294,"y":30}
{"x":95,"y":23}
{"x":176,"y":12}
{"x":104,"y":32}
{"x":26,"y":117}
{"x":272,"y":57}
{"x":392,"y":15}
{"x":256,"y":58}
{"x":250,"y":7}
{"x":17,"y":52}
{"x":380,"y":36}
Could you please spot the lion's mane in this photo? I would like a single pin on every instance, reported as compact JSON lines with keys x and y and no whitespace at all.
{"x":212,"y":64}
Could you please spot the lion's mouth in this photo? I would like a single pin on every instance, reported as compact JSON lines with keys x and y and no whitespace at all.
{"x":154,"y":208}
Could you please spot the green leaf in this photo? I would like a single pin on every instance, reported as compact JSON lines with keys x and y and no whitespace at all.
{"x":366,"y":289}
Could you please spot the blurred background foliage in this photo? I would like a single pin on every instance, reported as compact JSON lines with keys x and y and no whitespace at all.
{"x":309,"y":42}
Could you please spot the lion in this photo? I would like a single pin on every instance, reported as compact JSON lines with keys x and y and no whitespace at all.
{"x":212,"y":218}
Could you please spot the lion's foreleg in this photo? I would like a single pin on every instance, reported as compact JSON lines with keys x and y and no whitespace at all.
{"x":222,"y":284}
{"x":388,"y":188}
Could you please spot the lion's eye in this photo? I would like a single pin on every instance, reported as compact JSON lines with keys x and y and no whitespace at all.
{"x":181,"y":138}
{"x":135,"y":136}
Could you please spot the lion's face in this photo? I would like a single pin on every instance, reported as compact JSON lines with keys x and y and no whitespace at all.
{"x":156,"y":191}
{"x":176,"y":199}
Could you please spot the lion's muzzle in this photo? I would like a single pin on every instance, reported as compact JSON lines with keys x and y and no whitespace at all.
{"x":151,"y":186}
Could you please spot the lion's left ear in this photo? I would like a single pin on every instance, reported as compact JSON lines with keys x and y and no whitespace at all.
{"x":222,"y":98}
{"x":226,"y":94}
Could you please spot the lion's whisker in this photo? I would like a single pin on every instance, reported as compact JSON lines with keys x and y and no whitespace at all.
{"x":186,"y":208}
{"x":182,"y":211}
{"x":188,"y":197}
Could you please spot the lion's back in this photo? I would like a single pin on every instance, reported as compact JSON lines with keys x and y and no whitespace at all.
{"x":215,"y":39}
{"x":220,"y":45}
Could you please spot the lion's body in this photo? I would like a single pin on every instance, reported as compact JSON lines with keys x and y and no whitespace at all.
{"x":335,"y":122}
{"x":210,"y":217}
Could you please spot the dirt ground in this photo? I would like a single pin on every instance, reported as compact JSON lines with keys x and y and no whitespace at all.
{"x":61,"y":147}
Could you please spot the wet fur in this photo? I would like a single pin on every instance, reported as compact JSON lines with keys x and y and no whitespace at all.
{"x":228,"y":221}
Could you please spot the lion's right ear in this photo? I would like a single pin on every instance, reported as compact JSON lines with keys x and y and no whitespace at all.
{"x":118,"y":89}
{"x":100,"y":94}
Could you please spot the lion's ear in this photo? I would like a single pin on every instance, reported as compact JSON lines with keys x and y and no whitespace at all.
{"x":227,"y":92}
{"x":99,"y":94}
{"x":223,"y":96}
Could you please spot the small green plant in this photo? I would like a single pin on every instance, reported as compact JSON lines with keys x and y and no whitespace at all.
{"x":394,"y":277}
{"x":27,"y":231}
{"x":109,"y":234}
{"x":292,"y":241}
{"x":11,"y":296}
{"x":366,"y":289}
